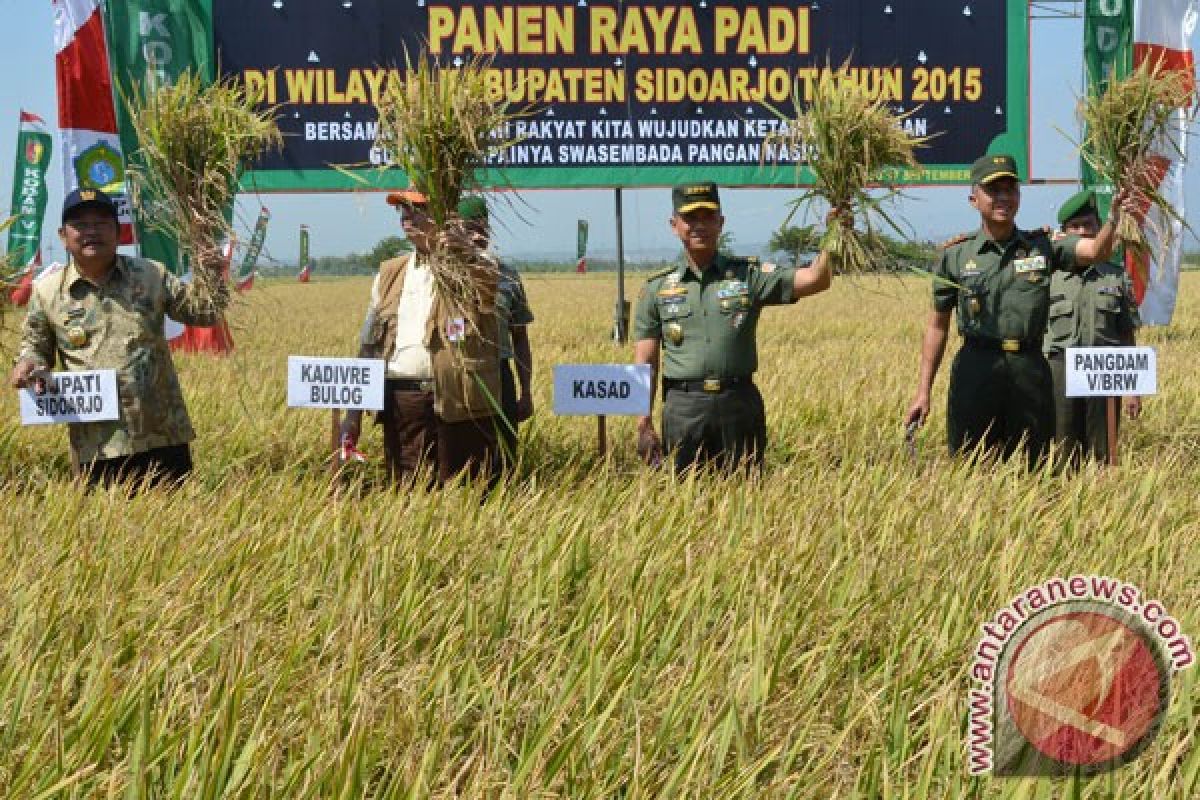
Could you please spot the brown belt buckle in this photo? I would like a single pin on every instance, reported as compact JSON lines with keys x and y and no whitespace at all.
{"x":1010,"y":345}
{"x":712,"y":385}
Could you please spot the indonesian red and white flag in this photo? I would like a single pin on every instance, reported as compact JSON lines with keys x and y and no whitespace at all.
{"x":1162,"y":30}
{"x":91,"y":148}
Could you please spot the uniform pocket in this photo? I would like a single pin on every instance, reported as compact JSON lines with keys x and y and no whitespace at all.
{"x":1061,"y":323}
{"x":1108,"y":319}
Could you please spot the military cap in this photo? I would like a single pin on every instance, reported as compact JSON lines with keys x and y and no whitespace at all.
{"x":87,"y":198}
{"x":691,"y":196}
{"x":1077,"y":205}
{"x":992,"y":167}
{"x":407,"y":197}
{"x":473,"y":207}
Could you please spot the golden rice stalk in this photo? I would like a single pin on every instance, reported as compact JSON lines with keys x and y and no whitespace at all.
{"x":194,"y":142}
{"x":1126,"y":131}
{"x":442,"y":125}
{"x":8,"y":273}
{"x":850,"y":141}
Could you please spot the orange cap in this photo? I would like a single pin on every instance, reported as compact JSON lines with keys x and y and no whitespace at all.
{"x":406,"y":197}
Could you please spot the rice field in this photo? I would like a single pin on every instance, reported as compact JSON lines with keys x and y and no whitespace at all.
{"x":592,"y":629}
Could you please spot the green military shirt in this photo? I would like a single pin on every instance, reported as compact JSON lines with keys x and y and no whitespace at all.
{"x":706,"y":322}
{"x":1001,"y":289}
{"x":119,"y":325}
{"x":1092,"y":308}
{"x":512,"y":307}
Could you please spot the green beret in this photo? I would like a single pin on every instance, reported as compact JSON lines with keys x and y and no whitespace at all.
{"x":473,"y":207}
{"x":1077,"y":205}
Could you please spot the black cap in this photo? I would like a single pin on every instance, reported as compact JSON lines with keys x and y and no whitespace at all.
{"x":691,"y":196}
{"x":83,"y":198}
{"x":1078,"y":205}
{"x":990,"y":168}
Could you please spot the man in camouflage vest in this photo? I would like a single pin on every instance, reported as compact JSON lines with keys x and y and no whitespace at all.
{"x":1092,"y":308}
{"x":999,"y":282}
{"x":105,"y":311}
{"x":701,"y":317}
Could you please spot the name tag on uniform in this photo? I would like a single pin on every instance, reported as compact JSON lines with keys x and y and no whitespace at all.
{"x":1031,"y":264}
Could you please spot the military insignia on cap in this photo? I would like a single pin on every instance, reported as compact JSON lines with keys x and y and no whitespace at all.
{"x":87,"y":195}
{"x":694,"y":190}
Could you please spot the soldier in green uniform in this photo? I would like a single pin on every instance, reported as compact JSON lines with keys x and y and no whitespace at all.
{"x":513,"y":316}
{"x":999,"y":281}
{"x":701,"y":317}
{"x":1092,"y":308}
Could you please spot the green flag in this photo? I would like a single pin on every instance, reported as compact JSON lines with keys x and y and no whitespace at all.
{"x":1107,"y":53}
{"x":34,"y":145}
{"x":151,"y":43}
{"x":581,"y":239}
{"x":256,"y":244}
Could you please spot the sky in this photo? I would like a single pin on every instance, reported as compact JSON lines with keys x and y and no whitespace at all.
{"x":542,"y":223}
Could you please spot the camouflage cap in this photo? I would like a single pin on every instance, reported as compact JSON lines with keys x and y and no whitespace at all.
{"x":691,"y":196}
{"x":992,"y":167}
{"x":87,"y":198}
{"x":1077,"y":205}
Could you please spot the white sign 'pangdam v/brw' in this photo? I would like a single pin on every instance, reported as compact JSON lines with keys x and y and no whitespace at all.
{"x":348,"y":383}
{"x":1111,"y":371}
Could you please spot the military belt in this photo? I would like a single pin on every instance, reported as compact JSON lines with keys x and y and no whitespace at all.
{"x":1001,"y":345}
{"x":710,"y":385}
{"x":405,"y":385}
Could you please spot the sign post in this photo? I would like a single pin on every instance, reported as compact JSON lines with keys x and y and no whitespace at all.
{"x":337,"y":384}
{"x":603,"y":390}
{"x":1111,"y":373}
{"x":84,"y":396}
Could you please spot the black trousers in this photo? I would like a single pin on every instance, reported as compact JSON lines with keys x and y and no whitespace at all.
{"x":161,"y":466}
{"x":508,"y":404}
{"x":1002,"y":401}
{"x":725,"y":429}
{"x":1080,"y":423}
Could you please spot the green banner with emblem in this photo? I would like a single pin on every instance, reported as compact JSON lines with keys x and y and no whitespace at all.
{"x":151,"y":43}
{"x":250,"y":261}
{"x":1107,"y":53}
{"x":34,"y":146}
{"x":581,"y":240}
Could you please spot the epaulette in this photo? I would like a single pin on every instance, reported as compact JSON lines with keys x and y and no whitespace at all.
{"x":953,"y":240}
{"x":662,"y":273}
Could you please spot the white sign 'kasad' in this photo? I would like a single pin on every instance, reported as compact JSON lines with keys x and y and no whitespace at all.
{"x":1111,"y":371}
{"x":607,"y":390}
{"x":348,"y":383}
{"x":89,"y":396}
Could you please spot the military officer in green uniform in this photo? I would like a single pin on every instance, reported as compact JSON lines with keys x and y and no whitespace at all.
{"x":999,"y":282}
{"x":1092,"y":308}
{"x":701,"y":318}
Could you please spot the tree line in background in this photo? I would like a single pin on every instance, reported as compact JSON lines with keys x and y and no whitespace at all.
{"x":791,"y":245}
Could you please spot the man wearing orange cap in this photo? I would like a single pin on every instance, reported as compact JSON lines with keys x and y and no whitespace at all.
{"x":436,"y":412}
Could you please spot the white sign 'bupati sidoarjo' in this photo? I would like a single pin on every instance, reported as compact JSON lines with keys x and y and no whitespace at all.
{"x":1111,"y":371}
{"x":348,"y":383}
{"x":89,"y":396}
{"x":605,"y":390}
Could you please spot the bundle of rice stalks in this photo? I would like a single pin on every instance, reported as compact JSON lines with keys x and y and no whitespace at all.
{"x":1127,"y":139}
{"x":442,"y":125}
{"x":194,"y":141}
{"x":849,"y":140}
{"x":8,"y":273}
